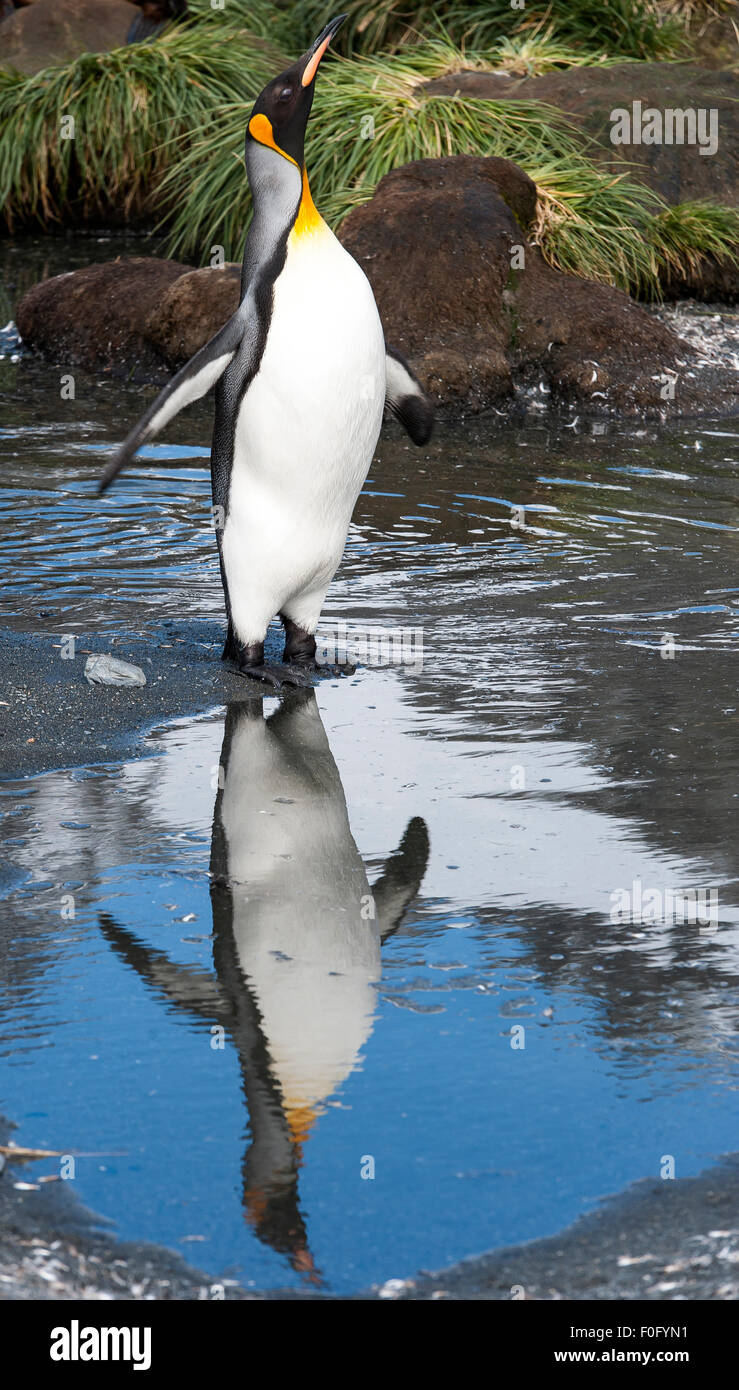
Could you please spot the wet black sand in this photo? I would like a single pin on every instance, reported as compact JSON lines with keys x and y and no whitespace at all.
{"x":50,"y":716}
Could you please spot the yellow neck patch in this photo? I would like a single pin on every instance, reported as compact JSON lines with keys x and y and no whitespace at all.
{"x":309,"y":219}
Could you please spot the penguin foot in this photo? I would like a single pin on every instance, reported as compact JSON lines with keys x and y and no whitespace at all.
{"x":300,"y":651}
{"x":271,"y":673}
{"x":334,"y":668}
{"x":320,"y":668}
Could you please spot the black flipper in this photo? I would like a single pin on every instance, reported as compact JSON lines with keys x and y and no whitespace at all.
{"x":405,"y":398}
{"x":191,"y":382}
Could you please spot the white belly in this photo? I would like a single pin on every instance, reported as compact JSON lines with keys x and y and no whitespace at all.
{"x":305,"y":437}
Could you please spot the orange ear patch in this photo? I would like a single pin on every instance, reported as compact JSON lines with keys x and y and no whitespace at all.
{"x":260,"y":128}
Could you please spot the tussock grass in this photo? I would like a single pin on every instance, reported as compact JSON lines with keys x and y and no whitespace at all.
{"x":593,"y":223}
{"x":630,"y":28}
{"x":684,"y":234}
{"x":375,"y":115}
{"x":692,"y":13}
{"x":524,"y":56}
{"x":135,"y":109}
{"x":161,"y":126}
{"x":267,"y":20}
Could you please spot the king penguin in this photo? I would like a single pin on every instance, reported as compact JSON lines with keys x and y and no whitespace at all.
{"x":302,"y":375}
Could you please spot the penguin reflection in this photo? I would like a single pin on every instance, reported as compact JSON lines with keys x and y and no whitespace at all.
{"x":296,"y":944}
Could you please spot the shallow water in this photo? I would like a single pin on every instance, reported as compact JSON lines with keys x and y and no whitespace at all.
{"x":219,"y":1025}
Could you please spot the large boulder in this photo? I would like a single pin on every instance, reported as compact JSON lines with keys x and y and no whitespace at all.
{"x":58,"y":31}
{"x":441,"y":243}
{"x":679,"y":173}
{"x":461,"y":290}
{"x":191,"y":310}
{"x":96,"y":317}
{"x":435,"y":243}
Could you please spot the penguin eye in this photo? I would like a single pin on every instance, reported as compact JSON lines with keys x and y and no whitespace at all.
{"x":285,"y":94}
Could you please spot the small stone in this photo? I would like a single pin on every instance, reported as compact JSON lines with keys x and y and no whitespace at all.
{"x":109,"y":670}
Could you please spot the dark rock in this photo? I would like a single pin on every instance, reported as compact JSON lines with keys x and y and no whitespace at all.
{"x":58,"y":31}
{"x":191,"y":310}
{"x":436,"y":242}
{"x":154,"y":17}
{"x":678,"y":173}
{"x":589,"y":342}
{"x":477,"y":331}
{"x":96,"y":317}
{"x":439,"y":290}
{"x":713,"y":281}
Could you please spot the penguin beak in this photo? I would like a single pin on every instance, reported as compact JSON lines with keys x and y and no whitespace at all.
{"x":283,"y":128}
{"x":312,"y":58}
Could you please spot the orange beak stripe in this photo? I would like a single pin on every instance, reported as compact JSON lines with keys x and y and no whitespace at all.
{"x":312,"y":67}
{"x":261,"y":129}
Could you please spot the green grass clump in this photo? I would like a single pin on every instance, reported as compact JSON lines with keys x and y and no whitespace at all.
{"x":260,"y":17}
{"x":683,"y":235}
{"x":692,"y":13}
{"x":592,"y":223}
{"x":375,"y":114}
{"x":528,"y":56}
{"x":628,"y":28}
{"x":159,"y":129}
{"x":135,"y":110}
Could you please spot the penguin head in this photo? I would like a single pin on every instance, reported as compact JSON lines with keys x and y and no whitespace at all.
{"x":280,"y":114}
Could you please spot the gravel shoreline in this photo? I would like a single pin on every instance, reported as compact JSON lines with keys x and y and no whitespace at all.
{"x":50,"y":717}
